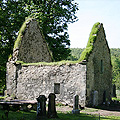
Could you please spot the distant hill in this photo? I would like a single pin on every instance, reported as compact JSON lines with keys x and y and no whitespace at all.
{"x":76,"y":52}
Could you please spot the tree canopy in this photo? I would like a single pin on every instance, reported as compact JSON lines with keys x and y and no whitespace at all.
{"x":54,"y":17}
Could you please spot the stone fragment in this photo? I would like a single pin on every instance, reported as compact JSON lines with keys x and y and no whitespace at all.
{"x":95,"y":98}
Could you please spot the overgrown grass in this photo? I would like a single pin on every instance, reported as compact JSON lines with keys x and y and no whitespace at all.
{"x":21,"y":32}
{"x":20,"y":115}
{"x":51,"y":63}
{"x":92,"y":38}
{"x":3,"y":97}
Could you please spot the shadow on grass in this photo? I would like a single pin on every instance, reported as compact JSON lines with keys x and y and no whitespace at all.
{"x":111,"y":107}
{"x":20,"y":115}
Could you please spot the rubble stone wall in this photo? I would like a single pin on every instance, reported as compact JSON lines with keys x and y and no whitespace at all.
{"x":33,"y":47}
{"x":32,"y":81}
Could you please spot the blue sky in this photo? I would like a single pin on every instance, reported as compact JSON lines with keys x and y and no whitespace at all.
{"x":90,"y":12}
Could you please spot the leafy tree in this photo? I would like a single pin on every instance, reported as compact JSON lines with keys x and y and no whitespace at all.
{"x":11,"y":18}
{"x":75,"y":54}
{"x":54,"y":17}
{"x":115,"y":57}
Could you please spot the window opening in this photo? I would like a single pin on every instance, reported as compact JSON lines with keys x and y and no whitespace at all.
{"x":57,"y":88}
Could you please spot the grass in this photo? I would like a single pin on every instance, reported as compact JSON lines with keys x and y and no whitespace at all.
{"x":3,"y":97}
{"x":21,"y":32}
{"x":20,"y":115}
{"x":92,"y":38}
{"x":51,"y":63}
{"x":90,"y":110}
{"x":117,"y":99}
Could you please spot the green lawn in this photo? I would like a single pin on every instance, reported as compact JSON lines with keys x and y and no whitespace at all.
{"x":20,"y":115}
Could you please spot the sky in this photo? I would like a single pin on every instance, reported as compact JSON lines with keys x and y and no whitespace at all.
{"x":90,"y":12}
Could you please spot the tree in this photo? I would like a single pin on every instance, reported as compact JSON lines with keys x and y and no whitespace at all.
{"x":115,"y":58}
{"x":54,"y":17}
{"x":11,"y":18}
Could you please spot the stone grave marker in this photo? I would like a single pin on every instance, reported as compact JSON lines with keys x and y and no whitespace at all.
{"x":41,"y":105}
{"x":75,"y":104}
{"x":95,"y":98}
{"x":51,"y":106}
{"x":5,"y":93}
{"x":104,"y":97}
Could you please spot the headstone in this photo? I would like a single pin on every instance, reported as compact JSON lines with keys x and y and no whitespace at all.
{"x":41,"y":105}
{"x":114,"y":90}
{"x":95,"y":98}
{"x":104,"y":97}
{"x":75,"y":104}
{"x":5,"y":93}
{"x":51,"y":106}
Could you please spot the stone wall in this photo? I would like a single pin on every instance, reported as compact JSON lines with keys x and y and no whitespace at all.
{"x":32,"y":81}
{"x":99,"y":69}
{"x":33,"y":47}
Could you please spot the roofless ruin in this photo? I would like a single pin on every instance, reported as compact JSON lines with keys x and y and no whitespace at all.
{"x":31,"y":72}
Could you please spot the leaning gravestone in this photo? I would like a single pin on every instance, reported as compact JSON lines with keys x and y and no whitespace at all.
{"x":75,"y":104}
{"x":95,"y":98}
{"x":41,"y":105}
{"x":51,"y":106}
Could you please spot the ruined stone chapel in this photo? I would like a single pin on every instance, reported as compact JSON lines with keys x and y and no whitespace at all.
{"x":31,"y":72}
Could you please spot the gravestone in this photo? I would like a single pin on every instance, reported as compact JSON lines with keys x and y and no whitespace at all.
{"x":95,"y":98}
{"x":114,"y":90}
{"x":41,"y":105}
{"x":5,"y":93}
{"x":75,"y":104}
{"x":51,"y":106}
{"x":104,"y":97}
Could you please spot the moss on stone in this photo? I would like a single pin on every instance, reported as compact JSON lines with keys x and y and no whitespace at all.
{"x":21,"y":32}
{"x":46,"y":63}
{"x":63,"y":62}
{"x":92,"y":38}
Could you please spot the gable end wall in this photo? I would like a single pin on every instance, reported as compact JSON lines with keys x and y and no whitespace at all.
{"x":99,"y":69}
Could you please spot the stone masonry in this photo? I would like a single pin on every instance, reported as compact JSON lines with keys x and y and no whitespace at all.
{"x":28,"y":82}
{"x":33,"y":47}
{"x":99,"y":69}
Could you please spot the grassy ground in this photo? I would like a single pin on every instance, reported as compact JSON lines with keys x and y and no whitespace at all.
{"x":31,"y":115}
{"x":20,"y":115}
